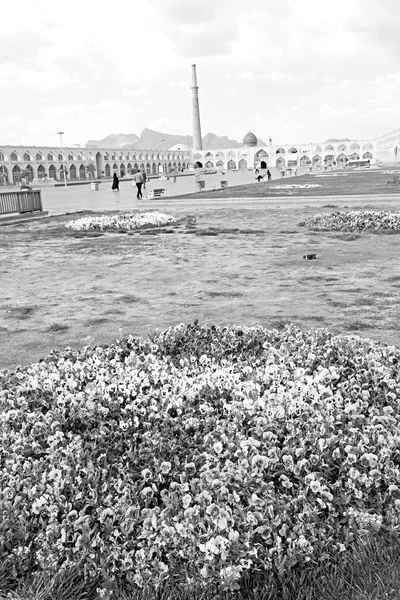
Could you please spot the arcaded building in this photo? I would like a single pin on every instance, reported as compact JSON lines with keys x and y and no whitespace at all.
{"x":51,"y":164}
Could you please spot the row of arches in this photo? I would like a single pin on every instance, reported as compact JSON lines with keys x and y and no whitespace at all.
{"x":74,"y":172}
{"x":40,"y":156}
{"x":281,"y":162}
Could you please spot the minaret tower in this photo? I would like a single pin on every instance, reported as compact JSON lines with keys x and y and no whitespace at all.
{"x":197,"y":142}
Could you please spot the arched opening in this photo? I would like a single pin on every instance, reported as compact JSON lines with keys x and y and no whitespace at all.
{"x":354,"y":147}
{"x":329,"y":148}
{"x":154,"y":168}
{"x":242,"y":164}
{"x":3,"y":175}
{"x":50,"y":156}
{"x":14,"y":157}
{"x":16,"y":174}
{"x":39,"y":156}
{"x":280,"y":151}
{"x":209,"y":164}
{"x":342,"y":148}
{"x":220,"y":164}
{"x":198,"y":165}
{"x":27,"y":157}
{"x":169,"y":167}
{"x":304,"y":161}
{"x":148,"y":169}
{"x":29,"y":173}
{"x":316,"y":160}
{"x":60,"y":157}
{"x":280,"y":162}
{"x":129,"y":168}
{"x":115,"y":168}
{"x":122,"y":170}
{"x":41,"y":172}
{"x":292,"y":150}
{"x":160,"y":168}
{"x":107,"y":170}
{"x":82,"y":172}
{"x":72,"y":172}
{"x":2,"y":157}
{"x":71,"y":156}
{"x":317,"y":149}
{"x":354,"y":156}
{"x":142,"y":166}
{"x":52,"y":172}
{"x":328,"y":160}
{"x":341,"y":158}
{"x":263,"y":165}
{"x":231,"y":165}
{"x":368,"y":146}
{"x":367,"y":155}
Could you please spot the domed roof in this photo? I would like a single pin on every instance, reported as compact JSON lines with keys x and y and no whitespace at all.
{"x":250,"y":139}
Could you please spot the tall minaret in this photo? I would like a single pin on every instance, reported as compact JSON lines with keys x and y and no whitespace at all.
{"x":197,"y":141}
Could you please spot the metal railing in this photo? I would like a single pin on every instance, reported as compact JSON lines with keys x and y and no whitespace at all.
{"x":20,"y":202}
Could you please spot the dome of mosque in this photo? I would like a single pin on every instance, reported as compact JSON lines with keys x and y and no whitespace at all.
{"x":250,"y":139}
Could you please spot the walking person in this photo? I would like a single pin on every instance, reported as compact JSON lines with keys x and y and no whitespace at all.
{"x":269,"y":175}
{"x":139,"y":183}
{"x":115,"y":183}
{"x":144,"y":179}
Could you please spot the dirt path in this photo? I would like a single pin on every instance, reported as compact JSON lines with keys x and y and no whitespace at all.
{"x":61,"y":290}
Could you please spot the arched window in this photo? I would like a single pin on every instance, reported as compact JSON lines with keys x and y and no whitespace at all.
{"x":29,"y":172}
{"x":329,"y":158}
{"x":82,"y":172}
{"x":354,"y":156}
{"x":113,"y":156}
{"x":242,"y":164}
{"x":209,"y":164}
{"x":70,"y":156}
{"x":72,"y":172}
{"x":121,"y":156}
{"x":81,"y":158}
{"x":154,"y":168}
{"x":280,"y":162}
{"x":107,"y":170}
{"x":280,"y":151}
{"x":106,"y":156}
{"x":3,"y":175}
{"x":293,"y":150}
{"x":317,"y":149}
{"x":141,"y":166}
{"x":341,"y":158}
{"x":52,"y":172}
{"x":27,"y":157}
{"x":304,"y":160}
{"x":367,"y":155}
{"x":354,"y":147}
{"x":115,"y":167}
{"x":39,"y":156}
{"x":220,"y":163}
{"x":231,"y":165}
{"x":329,"y":148}
{"x":41,"y":172}
{"x":136,"y":167}
{"x":60,"y":156}
{"x":148,"y":169}
{"x":14,"y":157}
{"x":50,"y":157}
{"x":122,"y":170}
{"x":342,"y":148}
{"x":16,"y":174}
{"x":129,"y":167}
{"x":317,"y":159}
{"x":2,"y":158}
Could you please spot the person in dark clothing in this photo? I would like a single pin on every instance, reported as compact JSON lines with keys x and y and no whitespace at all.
{"x":115,"y":183}
{"x":139,"y":183}
{"x":259,"y":178}
{"x":256,"y":171}
{"x":269,"y":175}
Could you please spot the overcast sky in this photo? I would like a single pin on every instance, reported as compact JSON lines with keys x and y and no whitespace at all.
{"x":298,"y":70}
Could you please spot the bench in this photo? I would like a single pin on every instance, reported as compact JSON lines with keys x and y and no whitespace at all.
{"x":20,"y":202}
{"x":156,"y":193}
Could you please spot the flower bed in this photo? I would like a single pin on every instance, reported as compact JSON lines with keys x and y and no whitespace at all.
{"x":382,"y":220}
{"x":288,"y":186}
{"x":128,"y":221}
{"x":203,"y":454}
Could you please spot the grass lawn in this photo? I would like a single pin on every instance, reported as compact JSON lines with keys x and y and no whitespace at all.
{"x":64,"y":288}
{"x":332,"y":183}
{"x":225,"y":266}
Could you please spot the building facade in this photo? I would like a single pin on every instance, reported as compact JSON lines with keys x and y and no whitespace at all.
{"x":54,"y":163}
{"x":286,"y":155}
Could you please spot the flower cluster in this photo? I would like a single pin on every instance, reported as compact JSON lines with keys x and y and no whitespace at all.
{"x":126,"y":221}
{"x":373,"y":220}
{"x":289,"y":186}
{"x":202,"y":454}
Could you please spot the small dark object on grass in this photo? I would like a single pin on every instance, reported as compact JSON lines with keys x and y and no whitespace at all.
{"x":310,"y":256}
{"x":58,"y":327}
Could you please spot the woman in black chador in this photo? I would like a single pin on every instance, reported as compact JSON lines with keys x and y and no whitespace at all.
{"x":115,"y":183}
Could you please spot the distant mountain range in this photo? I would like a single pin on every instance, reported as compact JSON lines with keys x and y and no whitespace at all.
{"x":154,"y":140}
